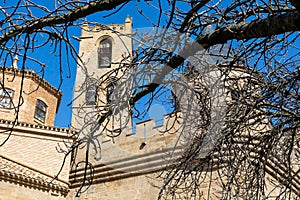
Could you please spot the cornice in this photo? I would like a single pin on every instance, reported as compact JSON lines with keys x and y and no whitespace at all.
{"x":30,"y":74}
{"x":38,"y":129}
{"x":23,"y":175}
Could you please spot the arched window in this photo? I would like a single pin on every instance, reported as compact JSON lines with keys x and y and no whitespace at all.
{"x":104,"y":53}
{"x":6,"y":98}
{"x":91,"y":95}
{"x":40,"y":111}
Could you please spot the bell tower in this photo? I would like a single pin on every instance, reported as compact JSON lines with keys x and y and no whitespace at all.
{"x":102,"y":49}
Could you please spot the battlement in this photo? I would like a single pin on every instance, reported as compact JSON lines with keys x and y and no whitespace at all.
{"x":88,"y":31}
{"x":137,"y":151}
{"x":114,"y":27}
{"x":147,"y":129}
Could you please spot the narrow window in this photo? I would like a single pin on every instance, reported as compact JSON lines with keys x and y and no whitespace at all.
{"x":40,"y":111}
{"x":91,"y":95}
{"x":104,"y":53}
{"x":109,"y":90}
{"x":6,"y":98}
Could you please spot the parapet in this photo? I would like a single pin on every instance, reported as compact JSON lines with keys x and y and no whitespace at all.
{"x":125,"y":28}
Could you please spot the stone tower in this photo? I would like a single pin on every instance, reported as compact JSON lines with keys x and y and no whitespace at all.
{"x":102,"y":48}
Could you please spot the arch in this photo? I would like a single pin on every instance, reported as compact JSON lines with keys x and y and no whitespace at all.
{"x":91,"y":95}
{"x":105,"y":52}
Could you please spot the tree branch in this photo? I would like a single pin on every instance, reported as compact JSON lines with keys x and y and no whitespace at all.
{"x":80,"y":12}
{"x":273,"y":25}
{"x":296,"y":4}
{"x":276,"y":24}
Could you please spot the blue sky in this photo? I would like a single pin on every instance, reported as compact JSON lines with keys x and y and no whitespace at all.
{"x":63,"y":118}
{"x":51,"y":60}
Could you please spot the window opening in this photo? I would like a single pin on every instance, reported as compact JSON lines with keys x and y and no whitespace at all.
{"x":91,"y":95}
{"x":40,"y":111}
{"x":5,"y":98}
{"x":104,"y":53}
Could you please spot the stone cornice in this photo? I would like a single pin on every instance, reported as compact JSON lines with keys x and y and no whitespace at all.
{"x":127,"y":167}
{"x":12,"y":171}
{"x":28,"y":128}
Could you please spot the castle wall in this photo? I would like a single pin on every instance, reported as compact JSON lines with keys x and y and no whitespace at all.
{"x":129,"y":164}
{"x":133,"y":188}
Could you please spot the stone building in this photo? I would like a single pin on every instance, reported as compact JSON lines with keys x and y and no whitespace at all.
{"x":37,"y":100}
{"x":29,"y":159}
{"x":129,"y":164}
{"x":125,"y":164}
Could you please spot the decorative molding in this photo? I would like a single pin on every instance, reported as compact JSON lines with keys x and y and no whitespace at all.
{"x":34,"y":128}
{"x":127,"y":167}
{"x":33,"y":76}
{"x":23,"y":175}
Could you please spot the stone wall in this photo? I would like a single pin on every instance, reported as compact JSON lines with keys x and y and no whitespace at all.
{"x":133,"y":188}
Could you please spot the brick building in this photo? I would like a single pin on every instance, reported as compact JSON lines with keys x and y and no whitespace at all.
{"x":29,"y":160}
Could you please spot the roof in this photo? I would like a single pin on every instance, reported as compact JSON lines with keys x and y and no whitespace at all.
{"x":12,"y":171}
{"x":38,"y":129}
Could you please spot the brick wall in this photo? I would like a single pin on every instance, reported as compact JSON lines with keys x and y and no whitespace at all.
{"x":31,"y":88}
{"x":11,"y":191}
{"x":36,"y":148}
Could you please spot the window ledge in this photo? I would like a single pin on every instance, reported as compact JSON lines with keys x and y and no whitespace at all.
{"x":39,"y":122}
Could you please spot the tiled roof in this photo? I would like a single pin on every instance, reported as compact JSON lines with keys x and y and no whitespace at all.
{"x":12,"y":124}
{"x":24,"y":175}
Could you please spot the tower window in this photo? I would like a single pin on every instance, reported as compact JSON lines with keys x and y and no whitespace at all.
{"x":5,"y":98}
{"x":104,"y":53}
{"x":40,"y":111}
{"x":90,"y":95}
{"x":109,"y":90}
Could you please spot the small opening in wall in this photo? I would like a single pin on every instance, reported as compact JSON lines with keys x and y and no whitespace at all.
{"x":142,"y":145}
